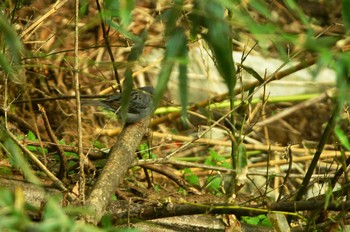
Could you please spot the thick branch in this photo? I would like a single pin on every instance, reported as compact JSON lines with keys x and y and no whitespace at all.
{"x":121,"y":156}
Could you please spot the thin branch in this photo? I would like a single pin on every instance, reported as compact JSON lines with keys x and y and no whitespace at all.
{"x":108,"y":46}
{"x":39,"y":164}
{"x":35,"y":25}
{"x":319,"y":150}
{"x":62,"y":174}
{"x":82,"y":157}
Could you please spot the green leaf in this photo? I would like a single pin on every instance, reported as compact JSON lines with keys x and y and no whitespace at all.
{"x":71,"y":154}
{"x":54,"y":212}
{"x":17,"y":158}
{"x":322,"y":44}
{"x":328,"y":195}
{"x":294,"y":7}
{"x":261,"y":219}
{"x":346,"y":15}
{"x":31,"y":136}
{"x":61,"y":141}
{"x":171,"y":16}
{"x":209,"y":161}
{"x":176,"y":47}
{"x":11,"y":38}
{"x":156,"y":188}
{"x":342,"y":137}
{"x":137,"y":48}
{"x":219,"y":40}
{"x":146,"y":152}
{"x":215,"y":156}
{"x":32,"y":148}
{"x":98,"y":144}
{"x":125,"y":8}
{"x":252,"y":72}
{"x":251,"y":220}
{"x":121,"y":9}
{"x":190,"y":177}
{"x":112,"y":8}
{"x":5,"y":65}
{"x":214,"y":183}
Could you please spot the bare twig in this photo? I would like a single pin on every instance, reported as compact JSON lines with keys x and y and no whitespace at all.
{"x":39,"y":164}
{"x":168,"y":173}
{"x":297,"y":107}
{"x":326,"y":133}
{"x":31,"y":29}
{"x":82,"y":157}
{"x":62,"y":174}
{"x":108,"y":46}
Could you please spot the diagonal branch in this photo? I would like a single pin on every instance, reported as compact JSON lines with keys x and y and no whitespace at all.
{"x":121,"y":156}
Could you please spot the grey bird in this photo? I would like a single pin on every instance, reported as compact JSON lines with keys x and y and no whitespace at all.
{"x":140,"y":104}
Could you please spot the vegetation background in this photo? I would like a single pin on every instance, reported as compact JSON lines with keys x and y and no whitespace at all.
{"x":276,"y":161}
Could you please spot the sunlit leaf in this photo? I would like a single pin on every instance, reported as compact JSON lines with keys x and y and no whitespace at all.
{"x":190,"y":177}
{"x":31,"y":136}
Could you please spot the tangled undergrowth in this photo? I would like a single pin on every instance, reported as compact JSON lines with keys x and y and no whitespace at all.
{"x":228,"y":146}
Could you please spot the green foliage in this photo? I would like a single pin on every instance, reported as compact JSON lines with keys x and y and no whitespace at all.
{"x":118,"y":13}
{"x":14,"y":217}
{"x":68,"y":153}
{"x":31,"y":137}
{"x":121,"y":10}
{"x":342,"y":137}
{"x":261,"y":220}
{"x":206,"y":21}
{"x":16,"y":156}
{"x":156,"y":188}
{"x":11,"y":48}
{"x":146,"y":152}
{"x":241,"y":160}
{"x":213,"y":184}
{"x":216,"y":160}
{"x":210,"y":16}
{"x":97,"y":144}
{"x":346,"y":15}
{"x":175,"y":54}
{"x":11,"y":40}
{"x":190,"y":177}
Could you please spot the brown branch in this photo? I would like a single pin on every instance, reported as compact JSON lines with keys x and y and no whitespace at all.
{"x":123,"y":209}
{"x":171,"y":175}
{"x":62,"y":174}
{"x":22,"y":124}
{"x":40,"y":165}
{"x":121,"y":156}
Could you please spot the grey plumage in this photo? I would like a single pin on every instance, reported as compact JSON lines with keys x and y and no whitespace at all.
{"x":140,"y":103}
